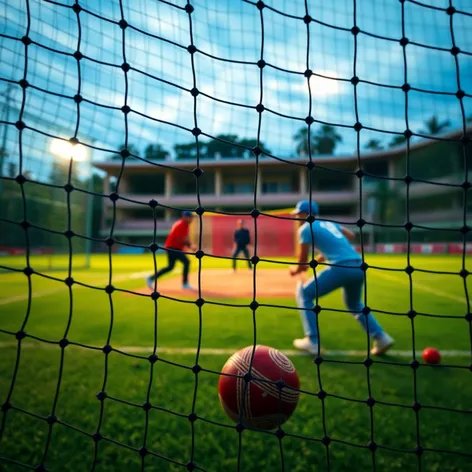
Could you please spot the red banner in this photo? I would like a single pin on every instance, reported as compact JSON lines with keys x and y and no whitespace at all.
{"x":458,"y":248}
{"x":434,"y":248}
{"x":275,"y":237}
{"x":390,"y":248}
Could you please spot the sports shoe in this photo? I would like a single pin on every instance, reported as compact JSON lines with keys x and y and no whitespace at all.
{"x":306,"y":344}
{"x":382,"y":344}
{"x":150,"y":282}
{"x":187,"y":286}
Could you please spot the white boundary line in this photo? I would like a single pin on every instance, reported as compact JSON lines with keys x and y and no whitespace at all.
{"x":424,"y":288}
{"x":230,"y":351}
{"x":43,"y":293}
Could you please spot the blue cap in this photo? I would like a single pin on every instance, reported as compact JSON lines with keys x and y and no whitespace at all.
{"x":187,"y":213}
{"x":303,"y":206}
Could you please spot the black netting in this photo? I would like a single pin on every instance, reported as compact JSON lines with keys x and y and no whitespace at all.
{"x":362,"y":106}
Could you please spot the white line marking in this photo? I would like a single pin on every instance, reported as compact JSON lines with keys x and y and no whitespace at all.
{"x":424,"y":288}
{"x":43,"y":293}
{"x":230,"y":351}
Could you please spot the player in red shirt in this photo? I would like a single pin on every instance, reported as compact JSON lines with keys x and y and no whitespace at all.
{"x":176,"y":242}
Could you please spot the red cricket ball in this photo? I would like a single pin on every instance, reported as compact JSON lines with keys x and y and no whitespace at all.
{"x":266,"y":399}
{"x":431,"y":355}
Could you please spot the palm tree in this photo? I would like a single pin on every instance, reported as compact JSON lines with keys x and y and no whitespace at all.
{"x":374,"y":145}
{"x":155,"y":152}
{"x":326,"y":140}
{"x":132,"y":149}
{"x":323,"y":141}
{"x":397,"y":140}
{"x":433,"y":126}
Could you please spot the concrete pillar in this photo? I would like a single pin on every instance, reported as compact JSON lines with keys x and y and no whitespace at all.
{"x":169,"y":184}
{"x":218,"y":182}
{"x":259,"y":182}
{"x":167,"y":214}
{"x":106,"y":185}
{"x":302,"y":181}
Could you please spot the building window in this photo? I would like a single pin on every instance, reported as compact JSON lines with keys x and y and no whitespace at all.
{"x":238,"y":187}
{"x":277,"y":186}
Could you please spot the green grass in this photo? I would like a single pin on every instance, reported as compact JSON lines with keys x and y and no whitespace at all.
{"x":173,"y":383}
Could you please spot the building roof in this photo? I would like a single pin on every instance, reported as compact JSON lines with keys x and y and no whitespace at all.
{"x":137,"y":164}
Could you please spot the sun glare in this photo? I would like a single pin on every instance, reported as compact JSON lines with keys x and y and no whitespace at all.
{"x":67,"y":150}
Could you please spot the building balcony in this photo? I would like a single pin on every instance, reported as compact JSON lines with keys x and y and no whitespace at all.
{"x":144,"y":227}
{"x":213,"y":200}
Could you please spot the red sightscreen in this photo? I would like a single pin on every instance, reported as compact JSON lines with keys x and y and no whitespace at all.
{"x":275,"y":237}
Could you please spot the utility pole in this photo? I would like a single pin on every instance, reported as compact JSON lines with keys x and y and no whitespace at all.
{"x":3,"y":151}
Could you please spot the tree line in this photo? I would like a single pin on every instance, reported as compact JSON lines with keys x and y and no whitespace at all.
{"x":322,"y":141}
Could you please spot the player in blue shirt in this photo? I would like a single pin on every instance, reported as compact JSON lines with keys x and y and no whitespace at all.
{"x":333,"y":242}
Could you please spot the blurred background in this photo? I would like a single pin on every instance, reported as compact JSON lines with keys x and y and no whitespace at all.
{"x":157,"y":130}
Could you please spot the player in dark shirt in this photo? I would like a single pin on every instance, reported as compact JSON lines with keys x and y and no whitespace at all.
{"x":242,"y":239}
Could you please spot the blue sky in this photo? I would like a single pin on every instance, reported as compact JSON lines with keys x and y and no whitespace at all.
{"x":230,"y":29}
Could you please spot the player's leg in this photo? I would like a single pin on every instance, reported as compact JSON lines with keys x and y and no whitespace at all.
{"x":236,"y":252}
{"x":353,"y":294}
{"x":170,"y":266}
{"x":246,"y":255}
{"x":186,"y":268}
{"x":306,"y":296}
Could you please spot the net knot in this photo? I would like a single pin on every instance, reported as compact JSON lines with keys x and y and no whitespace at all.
{"x":254,"y":305}
{"x":280,"y":433}
{"x":51,"y":419}
{"x":372,"y":446}
{"x":20,"y":335}
{"x":355,"y":30}
{"x":199,"y":302}
{"x":143,"y":452}
{"x":107,"y":349}
{"x":318,"y":360}
{"x":370,"y":402}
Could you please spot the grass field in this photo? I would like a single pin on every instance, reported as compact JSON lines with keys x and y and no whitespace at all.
{"x":443,"y":425}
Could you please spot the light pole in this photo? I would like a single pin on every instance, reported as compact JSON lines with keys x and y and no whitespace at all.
{"x":66,"y":150}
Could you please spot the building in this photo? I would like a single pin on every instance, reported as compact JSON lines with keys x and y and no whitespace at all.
{"x":436,"y":199}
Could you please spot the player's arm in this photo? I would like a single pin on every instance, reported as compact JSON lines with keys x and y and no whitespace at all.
{"x":348,"y":233}
{"x":303,"y":251}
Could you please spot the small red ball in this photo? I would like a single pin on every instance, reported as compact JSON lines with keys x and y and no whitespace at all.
{"x":265,"y":399}
{"x":431,"y":355}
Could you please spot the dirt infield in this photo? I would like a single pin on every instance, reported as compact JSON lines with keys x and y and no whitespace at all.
{"x":223,"y":283}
